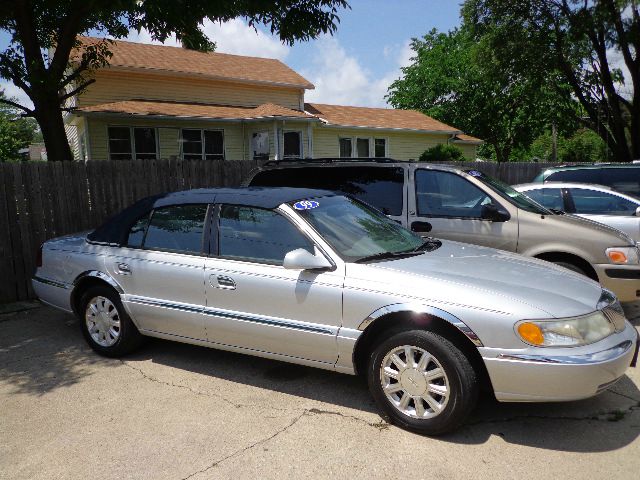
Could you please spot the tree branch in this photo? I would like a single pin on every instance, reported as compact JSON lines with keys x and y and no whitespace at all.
{"x":17,"y":105}
{"x":75,"y":91}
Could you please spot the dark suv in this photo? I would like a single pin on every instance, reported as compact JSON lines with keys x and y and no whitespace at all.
{"x":623,"y":177}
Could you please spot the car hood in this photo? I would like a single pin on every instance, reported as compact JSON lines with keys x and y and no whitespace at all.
{"x":484,"y":278}
{"x":592,"y":225}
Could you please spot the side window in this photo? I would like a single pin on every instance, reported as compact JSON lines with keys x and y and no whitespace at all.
{"x":586,"y":175}
{"x":178,"y":228}
{"x":257,"y":234}
{"x":382,"y":187}
{"x":445,"y":194}
{"x":136,"y":233}
{"x":594,"y":202}
{"x":625,"y":180}
{"x":547,"y":197}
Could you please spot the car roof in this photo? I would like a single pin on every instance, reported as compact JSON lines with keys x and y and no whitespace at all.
{"x":591,"y":166}
{"x":263,"y":197}
{"x":538,"y":186}
{"x":331,"y":162}
{"x":115,"y":230}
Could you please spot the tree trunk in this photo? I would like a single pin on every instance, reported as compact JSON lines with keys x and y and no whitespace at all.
{"x":49,"y":117}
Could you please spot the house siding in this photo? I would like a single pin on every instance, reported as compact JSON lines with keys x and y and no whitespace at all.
{"x":113,"y":86}
{"x":400,"y":145}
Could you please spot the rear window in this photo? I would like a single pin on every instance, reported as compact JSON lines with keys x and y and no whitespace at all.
{"x":625,"y":180}
{"x":381,"y":187}
{"x":576,"y":176}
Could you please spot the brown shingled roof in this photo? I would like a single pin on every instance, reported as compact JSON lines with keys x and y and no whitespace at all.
{"x":193,"y":110}
{"x":464,"y":138}
{"x":212,"y":65}
{"x":377,"y":118}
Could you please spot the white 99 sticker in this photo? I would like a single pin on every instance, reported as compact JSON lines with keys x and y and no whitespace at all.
{"x":306,"y":205}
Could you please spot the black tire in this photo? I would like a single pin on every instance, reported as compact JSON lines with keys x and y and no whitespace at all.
{"x":459,"y":376}
{"x":572,"y":267}
{"x":128,"y":338}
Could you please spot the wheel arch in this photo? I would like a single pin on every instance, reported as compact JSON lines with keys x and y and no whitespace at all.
{"x":577,"y":260}
{"x":398,"y":317}
{"x":89,"y":279}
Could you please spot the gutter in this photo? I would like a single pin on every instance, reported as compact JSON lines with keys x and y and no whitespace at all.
{"x":391,"y":129}
{"x":190,"y":118}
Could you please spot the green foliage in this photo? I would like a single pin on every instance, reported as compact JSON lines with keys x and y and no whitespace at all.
{"x":442,"y":153}
{"x":582,"y":147}
{"x":38,"y":27}
{"x":457,"y":79}
{"x":15,"y":132}
{"x":575,"y":41}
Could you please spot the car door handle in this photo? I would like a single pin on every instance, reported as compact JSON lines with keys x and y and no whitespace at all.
{"x":222,"y":281}
{"x":123,"y":269}
{"x":421,"y":227}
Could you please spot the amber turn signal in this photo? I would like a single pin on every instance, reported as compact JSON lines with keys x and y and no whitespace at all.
{"x":531,"y":333}
{"x":616,"y":256}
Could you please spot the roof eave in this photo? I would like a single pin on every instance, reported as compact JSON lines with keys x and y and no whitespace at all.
{"x":393,"y":129}
{"x":190,"y":117}
{"x":174,"y":73}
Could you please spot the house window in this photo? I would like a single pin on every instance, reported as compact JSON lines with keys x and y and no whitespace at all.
{"x":126,"y":143}
{"x":380,"y":147}
{"x":292,"y":145}
{"x":362,"y":146}
{"x":260,"y":145}
{"x":345,"y":147}
{"x":202,"y":144}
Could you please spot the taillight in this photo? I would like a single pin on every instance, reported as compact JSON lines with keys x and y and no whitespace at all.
{"x":39,"y":256}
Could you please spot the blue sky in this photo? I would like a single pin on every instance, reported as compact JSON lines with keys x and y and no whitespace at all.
{"x":353,"y":67}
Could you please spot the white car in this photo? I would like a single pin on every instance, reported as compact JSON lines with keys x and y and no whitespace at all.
{"x":595,"y":202}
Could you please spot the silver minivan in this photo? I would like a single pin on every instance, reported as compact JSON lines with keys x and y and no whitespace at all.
{"x":468,"y":206}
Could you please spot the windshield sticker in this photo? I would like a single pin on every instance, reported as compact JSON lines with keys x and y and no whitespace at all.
{"x":306,"y":205}
{"x":474,"y":173}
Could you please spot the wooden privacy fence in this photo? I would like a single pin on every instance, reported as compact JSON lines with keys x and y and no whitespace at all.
{"x":42,"y":200}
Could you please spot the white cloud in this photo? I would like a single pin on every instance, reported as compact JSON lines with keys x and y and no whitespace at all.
{"x":14,"y":93}
{"x":145,"y":37}
{"x":341,"y":79}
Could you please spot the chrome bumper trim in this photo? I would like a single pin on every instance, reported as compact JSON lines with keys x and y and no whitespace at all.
{"x":585,"y":359}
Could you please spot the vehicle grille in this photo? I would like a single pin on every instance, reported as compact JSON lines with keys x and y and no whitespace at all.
{"x":616,"y":317}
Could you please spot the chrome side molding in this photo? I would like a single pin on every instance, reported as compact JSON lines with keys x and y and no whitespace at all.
{"x":418,"y":309}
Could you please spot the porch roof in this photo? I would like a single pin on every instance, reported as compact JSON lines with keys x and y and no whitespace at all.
{"x":163,"y":109}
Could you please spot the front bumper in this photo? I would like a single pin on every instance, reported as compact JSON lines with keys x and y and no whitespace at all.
{"x":560,"y":374}
{"x":623,"y":280}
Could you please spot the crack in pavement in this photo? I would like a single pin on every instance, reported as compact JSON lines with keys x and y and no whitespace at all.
{"x":381,"y":425}
{"x":623,"y":395}
{"x":240,"y":451}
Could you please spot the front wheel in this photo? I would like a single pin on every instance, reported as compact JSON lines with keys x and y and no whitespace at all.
{"x":422,"y":382}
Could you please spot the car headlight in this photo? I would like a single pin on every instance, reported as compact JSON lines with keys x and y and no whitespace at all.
{"x":623,"y":255}
{"x":566,"y":332}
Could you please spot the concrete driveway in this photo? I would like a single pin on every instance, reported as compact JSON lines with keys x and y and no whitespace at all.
{"x":175,"y":411}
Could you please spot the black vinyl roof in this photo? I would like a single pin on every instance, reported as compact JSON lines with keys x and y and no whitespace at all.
{"x":116,"y":229}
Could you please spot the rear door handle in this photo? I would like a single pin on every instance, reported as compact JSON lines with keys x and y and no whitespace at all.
{"x":123,"y":269}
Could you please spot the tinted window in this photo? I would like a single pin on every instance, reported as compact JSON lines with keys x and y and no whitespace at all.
{"x":178,"y":228}
{"x":576,"y":176}
{"x":547,"y":197}
{"x":292,"y":143}
{"x":594,"y":202}
{"x":213,"y":144}
{"x":136,"y":233}
{"x":381,"y":187}
{"x":258,"y":234}
{"x":145,"y":143}
{"x":445,"y":194}
{"x":626,"y":180}
{"x":119,"y":143}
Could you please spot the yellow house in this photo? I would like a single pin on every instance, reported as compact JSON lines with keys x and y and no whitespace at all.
{"x":167,"y":102}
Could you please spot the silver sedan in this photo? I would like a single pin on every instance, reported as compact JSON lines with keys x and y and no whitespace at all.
{"x":319,"y":279}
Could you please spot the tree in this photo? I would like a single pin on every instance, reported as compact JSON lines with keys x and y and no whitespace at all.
{"x":582,"y":146}
{"x":579,"y":40}
{"x":442,"y":153}
{"x":455,"y":78}
{"x":44,"y":36}
{"x":15,"y":132}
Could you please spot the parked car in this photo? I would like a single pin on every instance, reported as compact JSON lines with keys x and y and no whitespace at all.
{"x":623,"y":177}
{"x":323,"y":280}
{"x":469,"y":206}
{"x":595,"y":202}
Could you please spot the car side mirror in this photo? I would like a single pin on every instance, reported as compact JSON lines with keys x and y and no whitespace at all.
{"x":301,"y":259}
{"x":494,"y":213}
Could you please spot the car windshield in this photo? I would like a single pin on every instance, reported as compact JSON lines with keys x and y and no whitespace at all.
{"x":507,"y":192}
{"x":356,"y":231}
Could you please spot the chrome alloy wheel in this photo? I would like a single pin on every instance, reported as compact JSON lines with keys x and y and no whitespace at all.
{"x":414,"y":382}
{"x":103,"y":321}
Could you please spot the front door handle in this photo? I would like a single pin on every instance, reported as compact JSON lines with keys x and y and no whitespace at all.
{"x":421,"y":227}
{"x":123,"y":269}
{"x":222,"y":281}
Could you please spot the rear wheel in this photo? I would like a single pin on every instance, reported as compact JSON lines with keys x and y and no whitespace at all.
{"x":105,"y":324}
{"x":422,"y":382}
